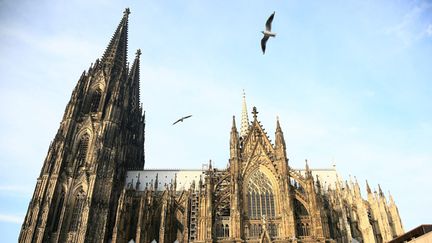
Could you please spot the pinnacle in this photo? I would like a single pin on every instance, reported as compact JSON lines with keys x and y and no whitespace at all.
{"x":255,"y":113}
{"x":368,"y":188}
{"x":244,"y":118}
{"x":234,"y":124}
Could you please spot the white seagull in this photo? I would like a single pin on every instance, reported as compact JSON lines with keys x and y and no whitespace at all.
{"x":267,"y":32}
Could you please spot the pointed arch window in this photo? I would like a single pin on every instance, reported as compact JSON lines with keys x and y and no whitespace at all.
{"x":95,"y":101}
{"x":260,"y":198}
{"x":82,"y":148}
{"x":57,"y":213}
{"x":76,"y":212}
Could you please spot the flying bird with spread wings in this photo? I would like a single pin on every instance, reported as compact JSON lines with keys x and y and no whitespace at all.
{"x":267,"y":32}
{"x":181,"y":119}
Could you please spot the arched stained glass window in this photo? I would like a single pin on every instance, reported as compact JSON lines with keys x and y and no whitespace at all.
{"x":260,"y":196}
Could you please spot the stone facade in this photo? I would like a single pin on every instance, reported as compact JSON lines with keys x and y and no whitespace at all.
{"x":93,"y":186}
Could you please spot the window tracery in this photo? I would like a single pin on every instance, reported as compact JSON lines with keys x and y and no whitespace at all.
{"x":77,"y":211}
{"x":82,"y":148}
{"x":260,"y":198}
{"x":95,"y":101}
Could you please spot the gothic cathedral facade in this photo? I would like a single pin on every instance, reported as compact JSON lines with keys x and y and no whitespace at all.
{"x":93,"y":186}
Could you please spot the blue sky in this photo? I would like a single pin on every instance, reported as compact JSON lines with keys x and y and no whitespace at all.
{"x":350,"y":81}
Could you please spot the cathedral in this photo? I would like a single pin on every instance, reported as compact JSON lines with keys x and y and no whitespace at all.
{"x":93,"y":185}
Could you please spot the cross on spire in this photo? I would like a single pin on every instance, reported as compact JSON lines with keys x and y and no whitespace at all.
{"x":138,"y":53}
{"x":126,"y":11}
{"x":254,"y":112}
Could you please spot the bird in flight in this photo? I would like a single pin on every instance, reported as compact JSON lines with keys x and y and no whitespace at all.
{"x":181,"y":119}
{"x":267,"y":32}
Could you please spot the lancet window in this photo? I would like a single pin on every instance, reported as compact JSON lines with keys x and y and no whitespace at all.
{"x":82,"y":148}
{"x":76,"y":212}
{"x":260,"y":198}
{"x":57,"y":213}
{"x":95,"y":100}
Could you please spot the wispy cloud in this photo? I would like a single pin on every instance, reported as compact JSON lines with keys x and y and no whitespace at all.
{"x":411,"y":29}
{"x":9,"y":218}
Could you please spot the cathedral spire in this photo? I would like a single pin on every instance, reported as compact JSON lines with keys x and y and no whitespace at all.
{"x":134,"y":82}
{"x":244,"y":118}
{"x":116,"y":53}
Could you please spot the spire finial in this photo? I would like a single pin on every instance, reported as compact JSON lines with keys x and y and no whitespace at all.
{"x":126,"y":11}
{"x":307,"y":165}
{"x":254,"y":112}
{"x":244,"y":118}
{"x":278,"y":127}
{"x":138,"y":53}
{"x":368,"y":188}
{"x":380,"y":191}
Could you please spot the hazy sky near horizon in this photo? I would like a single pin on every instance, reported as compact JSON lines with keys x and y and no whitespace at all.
{"x":350,"y":81}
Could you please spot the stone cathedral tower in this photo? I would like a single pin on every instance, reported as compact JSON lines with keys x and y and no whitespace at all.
{"x":100,"y":137}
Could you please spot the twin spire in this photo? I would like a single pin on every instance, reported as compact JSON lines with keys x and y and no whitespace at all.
{"x":116,"y":53}
{"x":114,"y":60}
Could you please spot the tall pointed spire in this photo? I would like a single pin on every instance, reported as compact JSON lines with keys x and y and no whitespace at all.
{"x":244,"y":118}
{"x":134,"y":82}
{"x":116,"y":52}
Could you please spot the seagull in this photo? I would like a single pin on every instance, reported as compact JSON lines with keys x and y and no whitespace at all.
{"x":181,"y":119}
{"x":267,"y":32}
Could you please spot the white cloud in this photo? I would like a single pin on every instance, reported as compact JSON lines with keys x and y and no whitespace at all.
{"x":8,"y":218}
